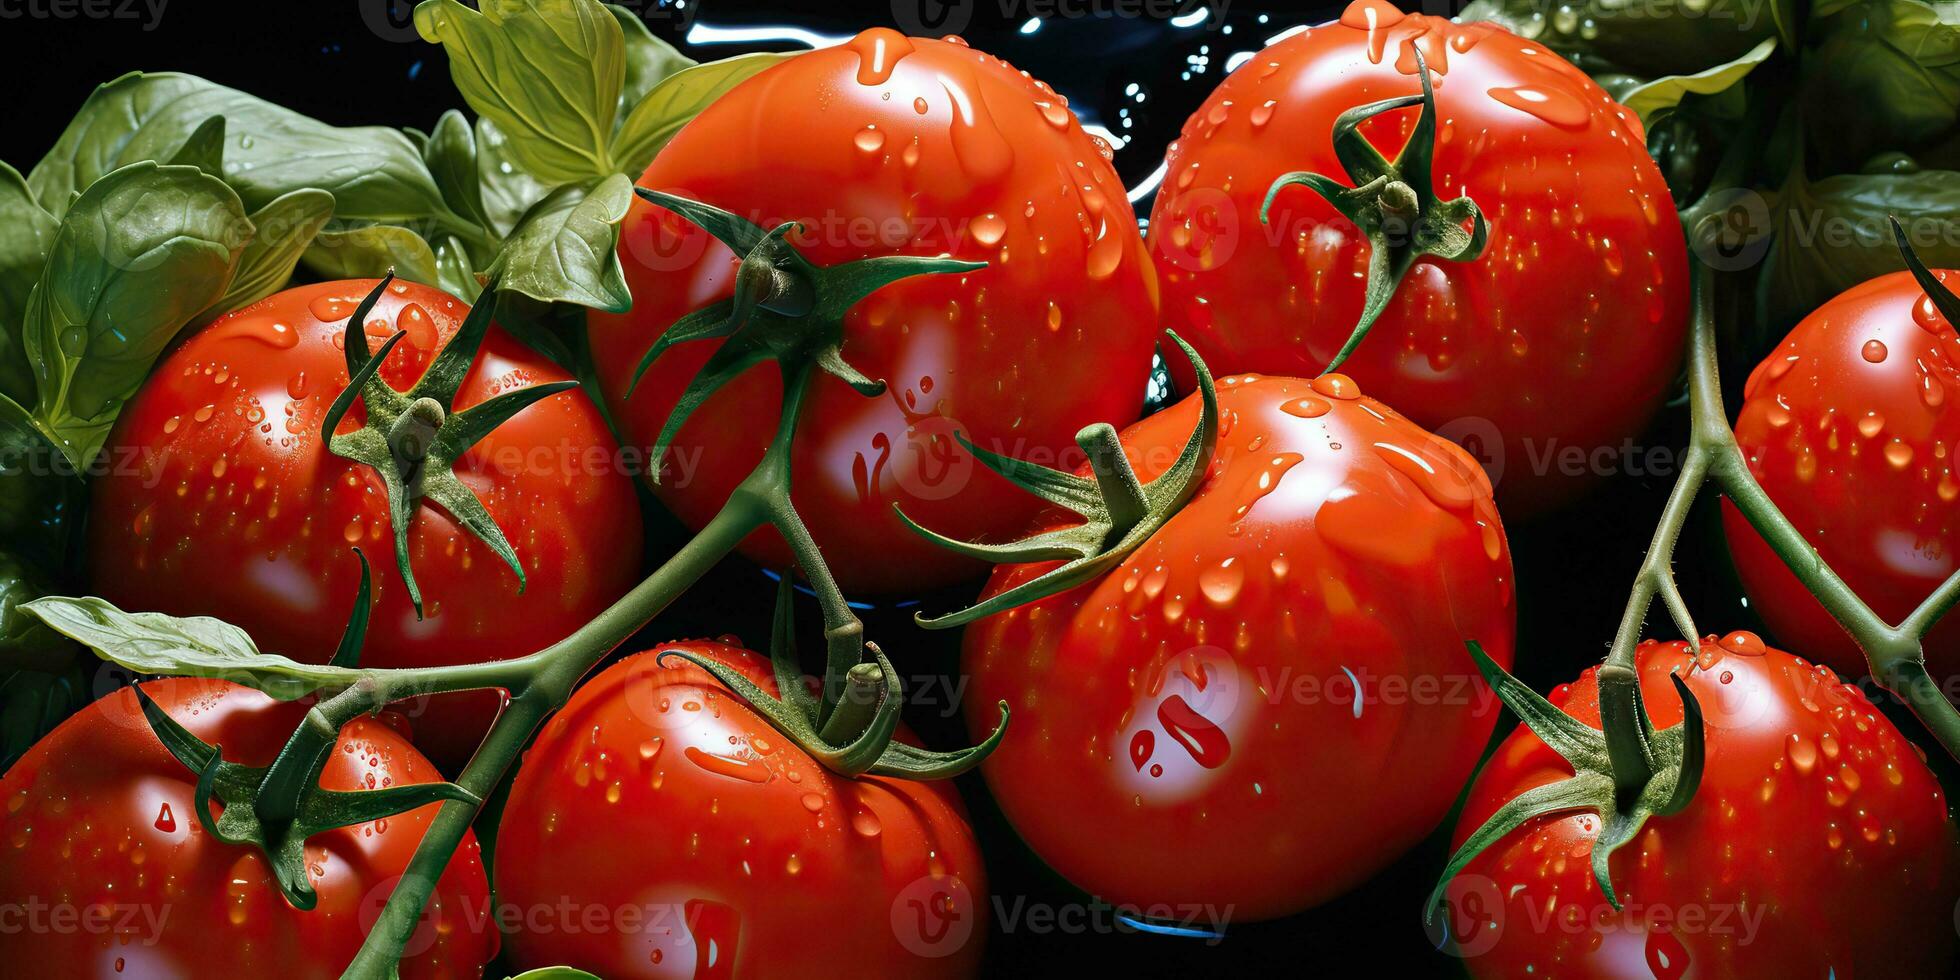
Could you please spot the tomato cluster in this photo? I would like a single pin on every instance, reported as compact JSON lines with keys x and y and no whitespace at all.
{"x":890,"y":305}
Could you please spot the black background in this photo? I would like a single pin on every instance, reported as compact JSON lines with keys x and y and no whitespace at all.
{"x":358,"y":63}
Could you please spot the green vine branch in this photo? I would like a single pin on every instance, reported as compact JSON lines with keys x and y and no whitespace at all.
{"x":1627,"y":771}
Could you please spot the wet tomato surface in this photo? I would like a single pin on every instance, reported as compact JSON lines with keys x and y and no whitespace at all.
{"x":104,"y":833}
{"x":1847,"y":428}
{"x":1270,"y":699}
{"x":659,"y":794}
{"x":1564,"y":334}
{"x":1817,"y":838}
{"x":889,"y":145}
{"x":230,"y":505}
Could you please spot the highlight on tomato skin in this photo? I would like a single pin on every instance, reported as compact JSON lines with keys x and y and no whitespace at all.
{"x":238,"y":509}
{"x":920,"y":147}
{"x":1291,"y":638}
{"x":1817,"y":837}
{"x":657,"y":793}
{"x":1846,"y":427}
{"x":1564,"y":334}
{"x":100,"y":816}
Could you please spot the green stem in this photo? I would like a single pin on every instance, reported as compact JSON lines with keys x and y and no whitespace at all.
{"x":1894,"y":652}
{"x":843,"y":631}
{"x":539,"y":684}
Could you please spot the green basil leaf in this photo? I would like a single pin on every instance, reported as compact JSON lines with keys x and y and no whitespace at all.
{"x":205,"y":149}
{"x":1645,"y":39}
{"x":33,"y":702}
{"x":1832,"y":234}
{"x":141,"y":252}
{"x":454,"y":271}
{"x":26,"y":643}
{"x":193,"y":646}
{"x":451,"y":155}
{"x":369,"y":251}
{"x":555,"y":973}
{"x":25,"y":231}
{"x":548,"y":72}
{"x":565,"y":248}
{"x":284,"y":230}
{"x":40,"y":491}
{"x":373,"y":172}
{"x":648,"y":58}
{"x":677,"y":100}
{"x":1881,"y":75}
{"x":1667,"y":92}
{"x":506,"y":188}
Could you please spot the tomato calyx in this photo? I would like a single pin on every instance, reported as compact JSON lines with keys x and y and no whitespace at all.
{"x":1393,"y":203}
{"x":1119,"y":512}
{"x":1626,"y":773}
{"x":413,"y":438}
{"x":276,"y":808}
{"x":785,"y":308}
{"x":850,"y":728}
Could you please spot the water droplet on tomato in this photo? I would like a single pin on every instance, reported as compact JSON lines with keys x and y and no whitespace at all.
{"x":1558,"y":107}
{"x":879,"y":51}
{"x":1198,"y":735}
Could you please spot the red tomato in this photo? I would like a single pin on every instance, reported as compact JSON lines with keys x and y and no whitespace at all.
{"x":106,"y":845}
{"x":1203,"y":695}
{"x":1565,"y":334}
{"x":1847,"y":429}
{"x":1817,"y":840}
{"x":715,"y":848}
{"x":890,"y":145}
{"x":227,"y":503}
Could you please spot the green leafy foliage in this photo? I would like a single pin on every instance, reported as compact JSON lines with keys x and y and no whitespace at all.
{"x":1832,"y":234}
{"x":193,"y":646}
{"x":561,"y":130}
{"x":1880,"y":75}
{"x":563,"y":249}
{"x":139,"y":254}
{"x":26,"y":229}
{"x":1643,"y":39}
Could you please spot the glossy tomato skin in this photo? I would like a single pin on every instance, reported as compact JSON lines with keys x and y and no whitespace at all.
{"x":1846,"y":426}
{"x":101,"y":815}
{"x":658,"y":792}
{"x":1568,"y":330}
{"x":1185,"y":729}
{"x":229,"y":505}
{"x":1818,"y":843}
{"x":892,"y":145}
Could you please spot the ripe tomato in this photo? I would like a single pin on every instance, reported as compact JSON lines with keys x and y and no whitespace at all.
{"x":1817,"y":839}
{"x":1847,"y":429}
{"x":106,"y":845}
{"x":717,"y":849}
{"x":229,"y":505}
{"x":889,"y":145}
{"x":1291,"y":636}
{"x":1566,"y":332}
